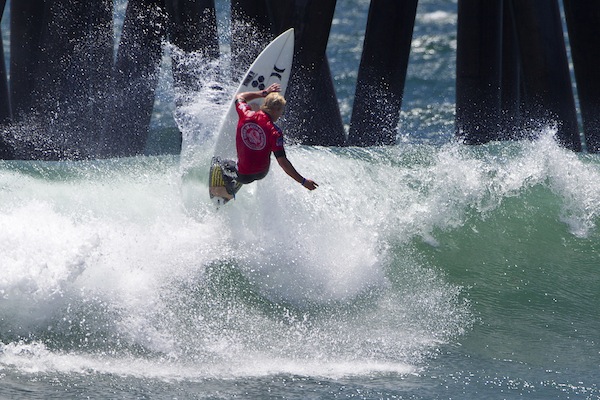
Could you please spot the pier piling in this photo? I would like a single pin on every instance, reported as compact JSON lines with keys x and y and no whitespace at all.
{"x":382,"y":72}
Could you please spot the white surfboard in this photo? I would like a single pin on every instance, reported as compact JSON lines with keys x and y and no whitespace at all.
{"x":273,"y":65}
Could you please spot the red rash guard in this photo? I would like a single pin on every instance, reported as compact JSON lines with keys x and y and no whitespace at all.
{"x":256,"y":137}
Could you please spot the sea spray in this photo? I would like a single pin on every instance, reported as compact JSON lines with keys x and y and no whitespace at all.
{"x":298,"y":264}
{"x":279,"y":275}
{"x":117,"y":266}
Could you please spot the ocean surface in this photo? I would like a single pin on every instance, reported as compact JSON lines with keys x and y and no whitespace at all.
{"x":425,"y":270}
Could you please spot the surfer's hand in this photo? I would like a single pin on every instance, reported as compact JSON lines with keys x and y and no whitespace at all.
{"x":275,"y":87}
{"x":310,"y":184}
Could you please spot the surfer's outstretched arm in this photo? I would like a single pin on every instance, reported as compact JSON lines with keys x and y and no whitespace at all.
{"x":249,"y":96}
{"x":289,"y":169}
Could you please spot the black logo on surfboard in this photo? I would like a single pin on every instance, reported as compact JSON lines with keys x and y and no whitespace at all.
{"x":277,"y":72}
{"x":249,"y":78}
{"x":259,"y":82}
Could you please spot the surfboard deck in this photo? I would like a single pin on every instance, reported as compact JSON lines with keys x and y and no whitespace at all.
{"x":273,"y":65}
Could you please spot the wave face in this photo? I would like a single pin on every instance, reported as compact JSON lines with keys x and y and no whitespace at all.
{"x":106,"y":257}
{"x":400,"y":254}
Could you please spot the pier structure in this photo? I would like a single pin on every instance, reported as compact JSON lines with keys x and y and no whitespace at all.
{"x":84,"y":95}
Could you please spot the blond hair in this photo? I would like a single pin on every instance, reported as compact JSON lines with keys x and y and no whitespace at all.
{"x":273,"y":102}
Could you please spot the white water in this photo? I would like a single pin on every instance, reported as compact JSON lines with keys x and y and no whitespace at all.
{"x":122,"y":267}
{"x":102,"y":259}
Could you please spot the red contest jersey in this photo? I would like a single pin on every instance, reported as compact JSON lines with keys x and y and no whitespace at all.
{"x":256,"y":137}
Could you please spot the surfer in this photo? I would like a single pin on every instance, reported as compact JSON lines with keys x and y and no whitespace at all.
{"x":257,"y":137}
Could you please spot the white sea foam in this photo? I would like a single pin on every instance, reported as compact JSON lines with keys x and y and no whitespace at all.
{"x":280,"y":274}
{"x":107,"y":247}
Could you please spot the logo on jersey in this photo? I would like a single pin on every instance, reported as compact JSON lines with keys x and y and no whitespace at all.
{"x":254,"y":136}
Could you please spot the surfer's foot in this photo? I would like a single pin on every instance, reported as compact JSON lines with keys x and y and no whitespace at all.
{"x":231,"y":185}
{"x":229,"y":169}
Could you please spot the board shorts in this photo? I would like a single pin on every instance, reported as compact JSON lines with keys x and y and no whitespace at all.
{"x":233,"y":180}
{"x":241,"y":178}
